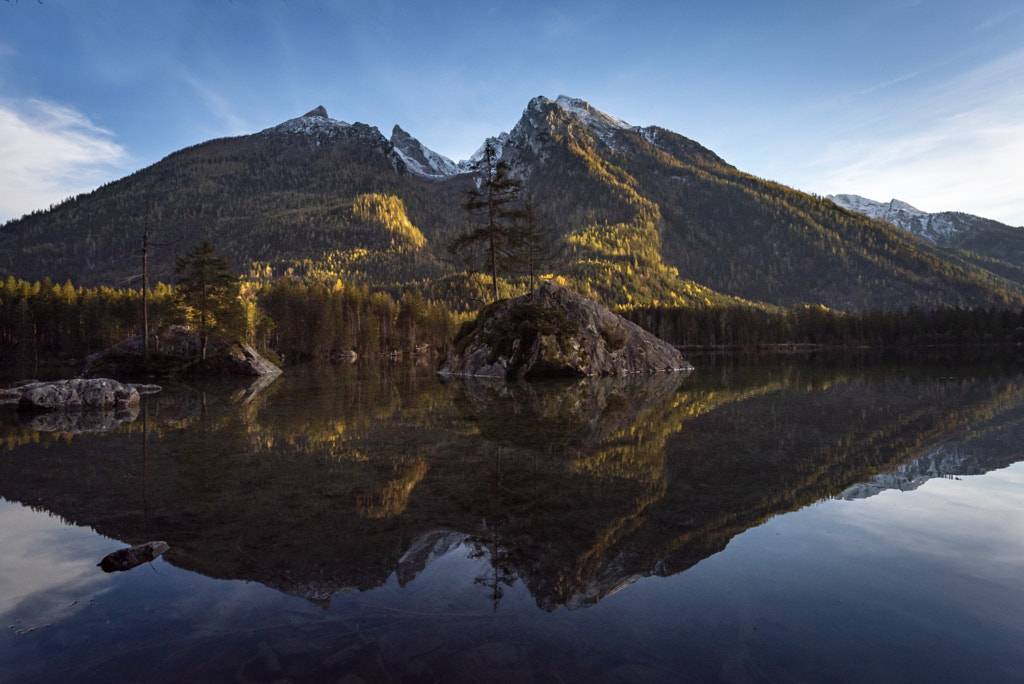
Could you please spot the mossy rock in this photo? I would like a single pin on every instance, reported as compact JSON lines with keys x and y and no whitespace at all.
{"x":554,"y":332}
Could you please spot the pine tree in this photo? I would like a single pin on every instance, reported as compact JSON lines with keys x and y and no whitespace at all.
{"x":207,"y":292}
{"x":536,"y":249}
{"x":496,"y":207}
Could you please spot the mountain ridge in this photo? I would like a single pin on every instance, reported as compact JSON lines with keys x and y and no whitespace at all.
{"x":995,"y":246}
{"x":944,"y":228}
{"x":635,"y":216}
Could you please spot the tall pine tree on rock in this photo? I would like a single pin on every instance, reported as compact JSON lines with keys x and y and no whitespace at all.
{"x":497,"y":219}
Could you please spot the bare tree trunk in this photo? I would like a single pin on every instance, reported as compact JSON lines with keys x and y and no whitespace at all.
{"x":145,"y":294}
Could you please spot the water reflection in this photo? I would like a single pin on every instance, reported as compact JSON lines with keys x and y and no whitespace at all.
{"x":46,"y":568}
{"x":77,"y":422}
{"x":338,"y":478}
{"x":559,"y":415}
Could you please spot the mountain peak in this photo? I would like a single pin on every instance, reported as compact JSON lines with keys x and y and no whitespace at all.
{"x":899,"y":205}
{"x":546,"y":121}
{"x":593,"y":118}
{"x":603,"y":125}
{"x":314,"y":122}
{"x":589,"y":115}
{"x":875,"y":209}
{"x":419,"y":159}
{"x":944,"y":228}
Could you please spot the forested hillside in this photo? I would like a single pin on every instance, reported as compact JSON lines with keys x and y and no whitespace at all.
{"x":630,"y":216}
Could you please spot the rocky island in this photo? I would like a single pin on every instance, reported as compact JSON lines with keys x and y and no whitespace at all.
{"x":175,"y":351}
{"x":555,"y":333}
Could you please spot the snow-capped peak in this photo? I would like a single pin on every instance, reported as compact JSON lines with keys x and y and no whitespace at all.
{"x":533,"y":127}
{"x":419,"y":159}
{"x":313,"y":122}
{"x":591,"y":117}
{"x":939,"y":229}
{"x":874,"y":209}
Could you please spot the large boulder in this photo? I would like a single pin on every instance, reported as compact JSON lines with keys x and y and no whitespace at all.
{"x":554,"y":332}
{"x":77,"y":394}
{"x":176,"y":351}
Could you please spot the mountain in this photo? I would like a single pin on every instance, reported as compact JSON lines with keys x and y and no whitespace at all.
{"x":938,"y":229}
{"x":989,"y":244}
{"x":947,"y":228}
{"x":419,"y":159}
{"x":631,"y":216}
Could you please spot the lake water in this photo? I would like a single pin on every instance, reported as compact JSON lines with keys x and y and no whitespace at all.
{"x":801,"y":522}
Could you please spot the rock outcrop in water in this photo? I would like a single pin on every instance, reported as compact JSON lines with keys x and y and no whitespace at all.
{"x":554,"y":332}
{"x":75,"y":406}
{"x":76,"y":394}
{"x":175,"y":351}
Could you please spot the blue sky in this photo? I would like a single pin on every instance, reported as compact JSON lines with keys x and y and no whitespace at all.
{"x":921,"y":100}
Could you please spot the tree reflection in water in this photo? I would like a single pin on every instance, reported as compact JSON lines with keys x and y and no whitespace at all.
{"x":338,"y":477}
{"x":459,"y":508}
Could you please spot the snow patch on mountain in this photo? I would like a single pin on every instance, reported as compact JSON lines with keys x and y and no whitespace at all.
{"x":531,"y":134}
{"x":939,"y":229}
{"x":651,"y":134}
{"x":314,"y":123}
{"x":875,"y":209}
{"x":498,"y":142}
{"x":600,"y":123}
{"x":419,"y":159}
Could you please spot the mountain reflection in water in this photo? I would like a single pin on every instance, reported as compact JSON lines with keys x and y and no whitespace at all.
{"x":335,"y":478}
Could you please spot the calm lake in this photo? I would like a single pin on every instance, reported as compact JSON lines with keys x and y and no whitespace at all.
{"x":785,"y":522}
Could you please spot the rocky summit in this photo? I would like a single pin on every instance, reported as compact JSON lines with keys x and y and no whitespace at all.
{"x":554,"y":332}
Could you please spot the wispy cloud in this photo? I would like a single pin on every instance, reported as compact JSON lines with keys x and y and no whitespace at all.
{"x":957,"y":145}
{"x":49,"y":152}
{"x":215,"y":100}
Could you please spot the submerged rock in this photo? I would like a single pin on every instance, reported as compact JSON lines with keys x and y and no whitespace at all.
{"x":126,"y":559}
{"x":554,"y":332}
